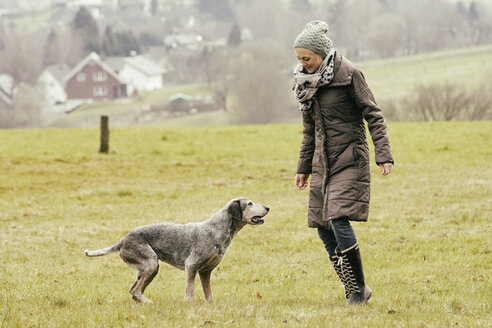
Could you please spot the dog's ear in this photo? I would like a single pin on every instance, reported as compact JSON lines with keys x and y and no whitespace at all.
{"x":235,"y":210}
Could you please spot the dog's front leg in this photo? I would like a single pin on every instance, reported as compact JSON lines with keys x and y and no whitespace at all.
{"x":190,"y":282}
{"x":205,"y":279}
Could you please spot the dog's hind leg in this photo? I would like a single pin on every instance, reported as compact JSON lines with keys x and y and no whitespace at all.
{"x":148,"y":278}
{"x":146,"y":262}
{"x":143,"y":280}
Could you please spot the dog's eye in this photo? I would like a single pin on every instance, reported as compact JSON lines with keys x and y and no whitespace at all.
{"x":250,"y":204}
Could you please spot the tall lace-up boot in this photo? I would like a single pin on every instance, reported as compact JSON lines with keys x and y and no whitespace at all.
{"x":336,"y":263}
{"x":353,"y":276}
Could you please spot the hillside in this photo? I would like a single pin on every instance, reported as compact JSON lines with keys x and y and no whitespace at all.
{"x":390,"y":80}
{"x":395,"y":77}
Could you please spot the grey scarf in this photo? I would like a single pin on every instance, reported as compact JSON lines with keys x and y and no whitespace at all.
{"x":306,"y":85}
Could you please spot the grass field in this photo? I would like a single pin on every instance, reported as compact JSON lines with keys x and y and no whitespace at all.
{"x":426,"y":248}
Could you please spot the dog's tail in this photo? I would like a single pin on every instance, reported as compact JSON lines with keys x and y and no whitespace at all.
{"x":104,"y":251}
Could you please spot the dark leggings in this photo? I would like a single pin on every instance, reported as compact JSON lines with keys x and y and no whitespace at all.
{"x":341,"y":235}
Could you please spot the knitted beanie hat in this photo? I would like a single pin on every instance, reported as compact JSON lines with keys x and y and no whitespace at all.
{"x":314,"y":38}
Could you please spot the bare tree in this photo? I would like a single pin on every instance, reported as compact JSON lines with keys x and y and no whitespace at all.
{"x":481,"y":102}
{"x":51,"y":50}
{"x":21,"y":58}
{"x":273,"y":21}
{"x":216,"y":66}
{"x":28,"y":109}
{"x":348,"y":22}
{"x":386,"y":35}
{"x":72,"y":50}
{"x":430,"y":24}
{"x":260,"y":87}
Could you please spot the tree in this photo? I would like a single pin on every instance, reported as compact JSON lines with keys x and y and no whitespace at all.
{"x":480,"y":26}
{"x":21,"y":58}
{"x":275,"y":20}
{"x":119,"y":43}
{"x":147,"y":39}
{"x":27,"y":110}
{"x":154,"y":7}
{"x":234,"y":36}
{"x":216,"y":65}
{"x":386,"y":35}
{"x":300,"y":5}
{"x":218,"y":9}
{"x":73,"y":50}
{"x":473,"y":12}
{"x":51,"y":51}
{"x":260,"y":90}
{"x":85,"y":26}
{"x":85,"y":23}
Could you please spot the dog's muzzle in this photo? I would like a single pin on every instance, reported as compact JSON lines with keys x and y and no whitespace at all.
{"x":259,"y":219}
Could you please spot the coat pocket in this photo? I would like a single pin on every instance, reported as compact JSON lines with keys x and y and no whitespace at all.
{"x":346,"y":157}
{"x":360,"y":152}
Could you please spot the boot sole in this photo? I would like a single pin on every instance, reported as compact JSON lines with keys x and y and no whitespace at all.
{"x":368,"y":299}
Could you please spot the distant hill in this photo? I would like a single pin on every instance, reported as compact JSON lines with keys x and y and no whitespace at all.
{"x":390,"y":80}
{"x":395,"y":77}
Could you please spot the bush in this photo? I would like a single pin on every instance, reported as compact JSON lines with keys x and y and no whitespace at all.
{"x":447,"y":102}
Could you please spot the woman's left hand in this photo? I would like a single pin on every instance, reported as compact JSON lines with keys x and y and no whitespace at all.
{"x":386,"y":168}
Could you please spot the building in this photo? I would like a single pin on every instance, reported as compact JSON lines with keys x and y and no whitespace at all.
{"x":7,"y":90}
{"x":52,"y":80}
{"x":141,"y":74}
{"x":179,"y":103}
{"x":93,"y":79}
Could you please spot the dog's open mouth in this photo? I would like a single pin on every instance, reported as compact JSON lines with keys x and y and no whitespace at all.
{"x":257,"y":220}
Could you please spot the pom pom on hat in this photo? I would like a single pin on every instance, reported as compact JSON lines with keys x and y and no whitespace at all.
{"x":314,"y":38}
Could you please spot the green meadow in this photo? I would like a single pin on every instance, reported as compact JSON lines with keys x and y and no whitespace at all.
{"x":426,"y":248}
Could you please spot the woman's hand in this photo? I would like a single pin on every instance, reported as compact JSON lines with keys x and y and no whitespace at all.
{"x":302,"y":181}
{"x":386,"y":168}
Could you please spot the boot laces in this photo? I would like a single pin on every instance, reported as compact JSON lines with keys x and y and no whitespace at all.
{"x":347,"y":274}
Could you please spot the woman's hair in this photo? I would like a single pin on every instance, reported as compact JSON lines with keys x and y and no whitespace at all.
{"x":314,"y":38}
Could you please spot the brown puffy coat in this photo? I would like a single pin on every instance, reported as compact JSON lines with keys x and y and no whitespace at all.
{"x":334,"y":147}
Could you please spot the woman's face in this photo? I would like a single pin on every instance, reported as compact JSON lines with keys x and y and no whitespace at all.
{"x":308,"y":59}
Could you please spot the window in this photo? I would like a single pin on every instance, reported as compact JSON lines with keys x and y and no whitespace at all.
{"x":100,"y":91}
{"x":81,"y":77}
{"x":99,"y":76}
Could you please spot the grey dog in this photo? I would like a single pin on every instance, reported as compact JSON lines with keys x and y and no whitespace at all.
{"x":193,"y":247}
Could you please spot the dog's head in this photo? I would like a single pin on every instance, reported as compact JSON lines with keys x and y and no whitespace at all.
{"x":243,"y":210}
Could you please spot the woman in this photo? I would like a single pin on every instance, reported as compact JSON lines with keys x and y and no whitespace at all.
{"x":335,"y":100}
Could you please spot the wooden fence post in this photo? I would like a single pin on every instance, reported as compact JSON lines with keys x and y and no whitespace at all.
{"x":104,"y":135}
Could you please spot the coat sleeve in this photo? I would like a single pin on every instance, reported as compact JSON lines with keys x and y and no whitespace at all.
{"x":304,"y":163}
{"x":371,"y":112}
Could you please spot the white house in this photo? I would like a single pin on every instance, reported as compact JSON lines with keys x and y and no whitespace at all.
{"x":7,"y":91}
{"x":52,"y":80}
{"x":141,"y":74}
